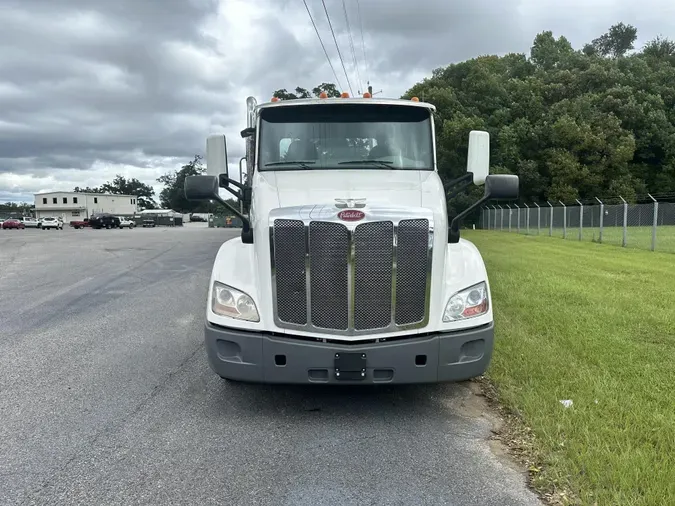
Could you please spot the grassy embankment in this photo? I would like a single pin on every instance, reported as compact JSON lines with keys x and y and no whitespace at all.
{"x":594,"y":324}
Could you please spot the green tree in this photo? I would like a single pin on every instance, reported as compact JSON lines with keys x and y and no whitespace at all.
{"x":571,"y":123}
{"x":87,"y":190}
{"x":329,"y":88}
{"x":121,"y":185}
{"x":173,"y":194}
{"x":616,"y":42}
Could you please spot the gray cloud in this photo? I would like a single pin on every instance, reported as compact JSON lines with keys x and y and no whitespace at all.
{"x":83,"y":83}
{"x":89,"y":88}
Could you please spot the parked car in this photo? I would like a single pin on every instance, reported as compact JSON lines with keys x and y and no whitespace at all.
{"x":126,"y":222}
{"x":148,"y":223}
{"x":31,"y":222}
{"x":80,"y":223}
{"x":13,"y":223}
{"x":51,"y":222}
{"x":104,"y":221}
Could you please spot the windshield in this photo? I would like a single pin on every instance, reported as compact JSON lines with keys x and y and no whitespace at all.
{"x":345,"y":136}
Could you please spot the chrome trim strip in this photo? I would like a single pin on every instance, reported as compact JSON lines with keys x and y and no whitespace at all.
{"x":351,"y":278}
{"x":394,"y":273}
{"x":328,"y":213}
{"x":308,"y":282}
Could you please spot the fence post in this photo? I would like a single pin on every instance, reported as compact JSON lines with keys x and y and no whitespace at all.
{"x":518,"y":218}
{"x":501,"y":218}
{"x":564,"y":219}
{"x":550,"y":222}
{"x":509,"y":206}
{"x":493,"y":207}
{"x":538,"y":219}
{"x":581,"y":219}
{"x":655,"y":223}
{"x":527,"y":219}
{"x":602,"y":216}
{"x":625,"y":222}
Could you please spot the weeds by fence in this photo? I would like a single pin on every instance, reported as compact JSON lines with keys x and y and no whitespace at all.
{"x":645,"y":226}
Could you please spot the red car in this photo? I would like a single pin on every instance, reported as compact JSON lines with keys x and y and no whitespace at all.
{"x":12,"y":223}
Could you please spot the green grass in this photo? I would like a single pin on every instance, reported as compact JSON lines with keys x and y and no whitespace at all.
{"x":595,"y":324}
{"x":636,"y":237}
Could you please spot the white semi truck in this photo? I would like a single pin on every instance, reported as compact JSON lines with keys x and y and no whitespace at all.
{"x":347,"y":270}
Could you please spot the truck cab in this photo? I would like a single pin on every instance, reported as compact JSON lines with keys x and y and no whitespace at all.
{"x":346,"y":270}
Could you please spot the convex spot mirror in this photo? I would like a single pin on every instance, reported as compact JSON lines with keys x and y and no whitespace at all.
{"x":502,"y":187}
{"x":201,"y":187}
{"x":478,"y":156}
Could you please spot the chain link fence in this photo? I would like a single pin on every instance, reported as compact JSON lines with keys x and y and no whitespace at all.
{"x":644,"y":226}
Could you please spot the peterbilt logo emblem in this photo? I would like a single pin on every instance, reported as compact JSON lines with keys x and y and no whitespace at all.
{"x":351,"y":215}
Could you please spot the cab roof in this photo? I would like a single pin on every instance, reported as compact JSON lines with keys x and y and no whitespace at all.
{"x":358,"y":100}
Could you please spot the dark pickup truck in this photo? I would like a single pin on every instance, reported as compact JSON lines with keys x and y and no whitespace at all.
{"x":104,"y":221}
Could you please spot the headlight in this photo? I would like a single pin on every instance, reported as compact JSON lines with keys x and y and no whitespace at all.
{"x":228,"y":301}
{"x":468,"y":303}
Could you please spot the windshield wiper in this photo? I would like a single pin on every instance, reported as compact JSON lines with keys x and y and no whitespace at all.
{"x":381,"y":163}
{"x":305,"y":164}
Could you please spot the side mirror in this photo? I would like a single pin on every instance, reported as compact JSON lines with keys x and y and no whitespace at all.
{"x":201,"y":187}
{"x":216,"y":156}
{"x":478,"y":156}
{"x":502,"y":187}
{"x":497,"y":187}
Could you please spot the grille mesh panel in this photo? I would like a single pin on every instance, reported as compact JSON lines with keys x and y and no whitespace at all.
{"x":411,"y":271}
{"x":373,"y":249}
{"x":373,"y":252}
{"x":328,"y":255}
{"x":289,"y":259}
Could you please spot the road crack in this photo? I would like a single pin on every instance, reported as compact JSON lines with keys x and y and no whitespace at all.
{"x":111,"y":428}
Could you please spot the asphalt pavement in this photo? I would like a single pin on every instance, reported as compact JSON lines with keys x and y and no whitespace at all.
{"x":106,"y":396}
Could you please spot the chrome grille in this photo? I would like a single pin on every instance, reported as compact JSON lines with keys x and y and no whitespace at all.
{"x":345,"y":278}
{"x":411,"y":274}
{"x":289,"y":259}
{"x":373,"y":253}
{"x":328,"y":258}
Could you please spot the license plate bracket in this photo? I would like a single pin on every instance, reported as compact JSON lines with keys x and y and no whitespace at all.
{"x":350,"y":366}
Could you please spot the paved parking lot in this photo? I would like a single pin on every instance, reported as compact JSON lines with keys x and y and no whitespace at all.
{"x":106,"y":396}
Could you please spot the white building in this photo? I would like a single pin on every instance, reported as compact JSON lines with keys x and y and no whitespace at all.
{"x":76,"y":205}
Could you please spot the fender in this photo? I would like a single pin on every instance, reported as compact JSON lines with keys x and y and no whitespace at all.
{"x":234,"y":265}
{"x":464,"y":267}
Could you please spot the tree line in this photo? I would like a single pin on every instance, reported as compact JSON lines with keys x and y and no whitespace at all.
{"x":571,"y":123}
{"x":172,"y":196}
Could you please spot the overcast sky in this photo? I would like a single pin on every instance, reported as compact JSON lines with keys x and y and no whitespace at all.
{"x":94,"y":88}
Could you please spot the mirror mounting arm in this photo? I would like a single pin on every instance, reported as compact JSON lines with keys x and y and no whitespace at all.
{"x":246,"y":232}
{"x":243,"y":195}
{"x":462,"y":179}
{"x":464,"y":182}
{"x":453,"y":230}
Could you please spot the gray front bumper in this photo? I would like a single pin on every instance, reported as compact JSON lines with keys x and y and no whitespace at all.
{"x":260,"y":357}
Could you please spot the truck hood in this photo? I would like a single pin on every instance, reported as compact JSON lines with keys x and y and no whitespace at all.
{"x":403,"y":187}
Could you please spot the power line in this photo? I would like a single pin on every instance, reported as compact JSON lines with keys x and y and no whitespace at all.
{"x":321,"y":42}
{"x":363,"y":44}
{"x":338,"y":47}
{"x":351,"y":45}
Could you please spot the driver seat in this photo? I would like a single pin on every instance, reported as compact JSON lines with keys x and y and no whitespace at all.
{"x":301,"y":150}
